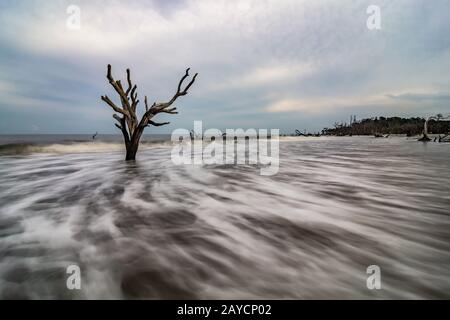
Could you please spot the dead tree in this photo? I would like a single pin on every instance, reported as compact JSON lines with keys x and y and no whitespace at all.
{"x":126,"y":116}
{"x":425,"y":137}
{"x":438,"y":117}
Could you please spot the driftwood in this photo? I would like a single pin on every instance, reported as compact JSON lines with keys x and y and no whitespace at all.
{"x":127,"y":120}
{"x":378,"y":135}
{"x":445,"y":138}
{"x":425,"y":137}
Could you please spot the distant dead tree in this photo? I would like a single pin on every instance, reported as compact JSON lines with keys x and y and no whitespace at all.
{"x":425,"y":137}
{"x":126,"y":116}
{"x":437,"y":117}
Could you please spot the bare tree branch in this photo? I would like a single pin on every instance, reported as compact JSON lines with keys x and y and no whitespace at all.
{"x":164,"y":107}
{"x":170,"y":110}
{"x":117,"y":86}
{"x":119,"y":119}
{"x":150,"y":122}
{"x":129,"y":82}
{"x":185,"y":91}
{"x":134,"y":101}
{"x":112,"y":105}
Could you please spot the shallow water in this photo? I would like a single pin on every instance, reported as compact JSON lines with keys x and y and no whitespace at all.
{"x":152,"y":229}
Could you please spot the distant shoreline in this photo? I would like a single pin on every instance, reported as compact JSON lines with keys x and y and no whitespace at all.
{"x":387,"y":125}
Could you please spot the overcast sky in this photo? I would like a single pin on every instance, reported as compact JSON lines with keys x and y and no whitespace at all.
{"x":301,"y":64}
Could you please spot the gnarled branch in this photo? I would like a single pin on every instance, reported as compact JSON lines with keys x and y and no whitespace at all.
{"x":112,"y":105}
{"x":117,"y":86}
{"x":164,"y":106}
{"x":156,"y":124}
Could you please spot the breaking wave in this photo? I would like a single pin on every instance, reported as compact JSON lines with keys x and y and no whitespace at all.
{"x":153,"y":229}
{"x":71,"y":147}
{"x":82,"y":146}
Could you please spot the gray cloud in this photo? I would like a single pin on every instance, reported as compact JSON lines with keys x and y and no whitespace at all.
{"x":421,"y":96}
{"x":286,"y":64}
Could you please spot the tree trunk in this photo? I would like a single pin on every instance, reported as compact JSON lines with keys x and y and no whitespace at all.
{"x":131,"y":151}
{"x":425,"y":137}
{"x":133,"y":145}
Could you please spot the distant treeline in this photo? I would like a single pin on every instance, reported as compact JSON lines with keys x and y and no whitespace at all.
{"x":382,"y":125}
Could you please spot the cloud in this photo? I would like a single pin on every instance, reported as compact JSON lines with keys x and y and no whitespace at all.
{"x":324,"y":105}
{"x":265,"y":63}
{"x":263,"y":76}
{"x":419,"y":97}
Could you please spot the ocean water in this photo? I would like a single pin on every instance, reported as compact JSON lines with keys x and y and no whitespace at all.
{"x":151,"y":229}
